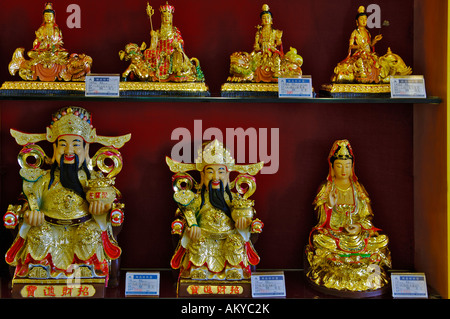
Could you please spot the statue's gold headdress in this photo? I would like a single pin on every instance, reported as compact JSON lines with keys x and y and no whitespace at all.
{"x":70,"y":121}
{"x":167,"y":8}
{"x":49,"y":7}
{"x":341,"y":150}
{"x":361,"y":12}
{"x":213,"y":153}
{"x":265,"y":10}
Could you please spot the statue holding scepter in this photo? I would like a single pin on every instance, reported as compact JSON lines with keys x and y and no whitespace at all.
{"x":150,"y":13}
{"x":165,"y":59}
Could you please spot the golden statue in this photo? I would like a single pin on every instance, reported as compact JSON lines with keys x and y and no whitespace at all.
{"x":267,"y":62}
{"x":214,"y":223}
{"x":71,"y":212}
{"x":165,"y":59}
{"x":346,"y":252}
{"x":363,"y":66}
{"x":49,"y":61}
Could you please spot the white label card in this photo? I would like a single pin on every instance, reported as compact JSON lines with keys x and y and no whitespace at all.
{"x":411,"y":86}
{"x":142,"y":284}
{"x":409,"y":285}
{"x":268,"y":285}
{"x":295,"y":87}
{"x":102,"y":85}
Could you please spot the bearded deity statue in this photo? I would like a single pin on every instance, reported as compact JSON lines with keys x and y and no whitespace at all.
{"x":363,"y":71}
{"x":215,"y":253}
{"x":266,"y":63}
{"x":346,"y":255}
{"x":71,"y":213}
{"x":164,"y":62}
{"x":49,"y":60}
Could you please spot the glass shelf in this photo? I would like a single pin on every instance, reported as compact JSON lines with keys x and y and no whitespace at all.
{"x":175,"y":99}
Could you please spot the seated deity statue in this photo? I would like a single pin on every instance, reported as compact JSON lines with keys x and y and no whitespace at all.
{"x":165,"y":59}
{"x":362,"y":64}
{"x":214,"y":223}
{"x":70,"y":214}
{"x":49,"y":60}
{"x":346,"y":252}
{"x":267,"y":62}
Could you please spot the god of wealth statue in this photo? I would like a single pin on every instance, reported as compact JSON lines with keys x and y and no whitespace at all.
{"x":71,"y":213}
{"x":49,"y":61}
{"x":362,"y":65}
{"x":165,"y":59}
{"x":346,"y":252}
{"x":267,"y":62}
{"x":214,"y":223}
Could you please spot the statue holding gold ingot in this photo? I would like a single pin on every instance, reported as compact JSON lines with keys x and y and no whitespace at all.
{"x":363,"y":72}
{"x":164,"y":65}
{"x":49,"y":61}
{"x":71,"y":214}
{"x":214,"y":223}
{"x":346,"y":255}
{"x":260,"y":69}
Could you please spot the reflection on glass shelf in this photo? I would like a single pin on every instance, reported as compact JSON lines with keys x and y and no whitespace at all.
{"x":78,"y":96}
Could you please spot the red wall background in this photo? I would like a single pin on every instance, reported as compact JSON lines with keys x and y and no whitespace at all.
{"x":381,"y":134}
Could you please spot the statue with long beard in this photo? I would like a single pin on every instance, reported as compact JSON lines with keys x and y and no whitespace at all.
{"x":214,"y":223}
{"x":65,"y":225}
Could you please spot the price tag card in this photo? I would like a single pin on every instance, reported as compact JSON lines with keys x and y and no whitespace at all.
{"x":295,"y":87}
{"x":142,"y":284}
{"x":411,"y":86}
{"x":102,"y":85}
{"x":409,"y":285}
{"x":268,"y":285}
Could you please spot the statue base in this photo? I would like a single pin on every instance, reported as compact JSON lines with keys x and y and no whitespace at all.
{"x":58,"y":288}
{"x":358,"y":90}
{"x":342,"y":293}
{"x":189,"y":288}
{"x":31,"y":88}
{"x":349,"y":294}
{"x":163,"y":89}
{"x":236,"y":89}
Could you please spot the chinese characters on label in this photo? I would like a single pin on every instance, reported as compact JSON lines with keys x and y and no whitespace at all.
{"x":60,"y":291}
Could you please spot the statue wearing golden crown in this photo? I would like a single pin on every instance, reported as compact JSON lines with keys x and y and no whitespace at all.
{"x":165,"y":59}
{"x":346,"y":252}
{"x":65,"y":224}
{"x":49,"y":61}
{"x":215,"y":224}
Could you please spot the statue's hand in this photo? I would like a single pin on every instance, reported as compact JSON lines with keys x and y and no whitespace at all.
{"x":333,"y":198}
{"x":243,"y":222}
{"x":378,"y":38}
{"x":353,"y":229}
{"x":194,"y":232}
{"x":34,"y":217}
{"x":99,"y":207}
